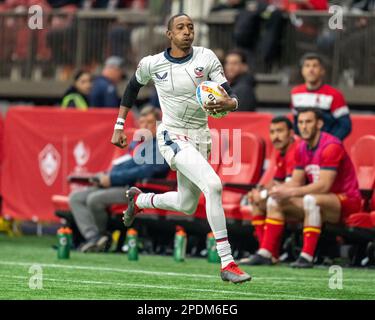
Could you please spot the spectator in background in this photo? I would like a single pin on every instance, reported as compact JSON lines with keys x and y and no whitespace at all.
{"x":143,"y":160}
{"x":314,"y":93}
{"x":229,"y":4}
{"x":282,"y":138}
{"x":104,"y":92}
{"x":363,"y":5}
{"x":248,"y":23}
{"x":294,"y":5}
{"x":15,"y":33}
{"x":61,"y":37}
{"x":240,"y":79}
{"x":77,"y":95}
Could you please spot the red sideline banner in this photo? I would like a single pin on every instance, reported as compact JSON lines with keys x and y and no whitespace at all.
{"x":43,"y":146}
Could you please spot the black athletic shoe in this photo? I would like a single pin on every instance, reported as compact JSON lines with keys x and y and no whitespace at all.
{"x":256,"y":260}
{"x":302,"y":263}
{"x":89,"y":246}
{"x":102,"y":243}
{"x":132,"y":210}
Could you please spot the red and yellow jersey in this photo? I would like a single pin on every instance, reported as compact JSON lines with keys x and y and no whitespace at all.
{"x":329,"y":154}
{"x":285,"y":163}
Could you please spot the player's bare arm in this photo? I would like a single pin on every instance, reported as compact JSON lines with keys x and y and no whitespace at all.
{"x":286,"y":189}
{"x":118,"y":136}
{"x":322,"y":186}
{"x":128,"y":99}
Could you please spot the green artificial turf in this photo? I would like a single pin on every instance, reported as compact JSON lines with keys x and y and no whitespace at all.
{"x":112,"y":276}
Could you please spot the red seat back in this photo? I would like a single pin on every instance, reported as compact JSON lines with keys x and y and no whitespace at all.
{"x":363,"y":157}
{"x":243,"y":166}
{"x":270,"y":170}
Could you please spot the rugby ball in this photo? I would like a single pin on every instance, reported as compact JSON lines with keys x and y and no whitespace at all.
{"x":209,"y":91}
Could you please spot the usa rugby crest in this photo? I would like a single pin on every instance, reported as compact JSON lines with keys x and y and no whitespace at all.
{"x":199,"y":72}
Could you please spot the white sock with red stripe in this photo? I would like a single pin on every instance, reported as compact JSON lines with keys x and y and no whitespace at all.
{"x":223,"y":248}
{"x":145,"y":200}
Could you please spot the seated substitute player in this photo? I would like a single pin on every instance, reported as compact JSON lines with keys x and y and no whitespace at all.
{"x":183,"y":136}
{"x":282,"y":138}
{"x":323,"y":188}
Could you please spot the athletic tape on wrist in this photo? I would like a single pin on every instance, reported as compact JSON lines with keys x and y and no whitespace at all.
{"x":119,"y":124}
{"x":236,"y":104}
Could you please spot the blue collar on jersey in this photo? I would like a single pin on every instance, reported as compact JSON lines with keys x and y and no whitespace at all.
{"x":177,"y":60}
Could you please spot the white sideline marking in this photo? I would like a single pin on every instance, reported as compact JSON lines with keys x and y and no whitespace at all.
{"x":62,"y":266}
{"x":137,"y":285}
{"x":171,"y":274}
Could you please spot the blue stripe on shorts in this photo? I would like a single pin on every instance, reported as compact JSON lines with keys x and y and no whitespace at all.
{"x":175,"y":147}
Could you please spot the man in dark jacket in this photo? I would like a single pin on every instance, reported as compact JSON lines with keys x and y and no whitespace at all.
{"x":104,"y":92}
{"x":143,"y":160}
{"x":241,"y":81}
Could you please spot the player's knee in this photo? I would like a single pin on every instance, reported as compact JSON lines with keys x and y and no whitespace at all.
{"x":75,"y":198}
{"x":214,"y":185}
{"x":309,"y":202}
{"x":312,"y":210}
{"x":189,"y":208}
{"x":93,"y":202}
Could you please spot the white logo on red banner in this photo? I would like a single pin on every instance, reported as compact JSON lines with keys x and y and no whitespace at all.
{"x":81,"y":153}
{"x":49,"y":164}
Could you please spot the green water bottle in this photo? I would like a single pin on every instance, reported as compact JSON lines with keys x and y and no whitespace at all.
{"x":69,"y":234}
{"x":64,"y":243}
{"x":180,"y":241}
{"x":132,"y":241}
{"x":212,"y":255}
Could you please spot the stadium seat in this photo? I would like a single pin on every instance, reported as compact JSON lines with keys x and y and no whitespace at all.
{"x":159,"y":185}
{"x":359,"y":228}
{"x":363,"y":157}
{"x":247,"y":174}
{"x":266,"y":178}
{"x":372,"y":216}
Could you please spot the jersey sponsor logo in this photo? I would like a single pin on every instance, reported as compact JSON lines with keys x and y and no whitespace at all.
{"x":161,"y":76}
{"x":199,"y":72}
{"x":313,"y":170}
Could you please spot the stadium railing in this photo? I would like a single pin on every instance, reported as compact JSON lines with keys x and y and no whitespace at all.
{"x":84,"y":39}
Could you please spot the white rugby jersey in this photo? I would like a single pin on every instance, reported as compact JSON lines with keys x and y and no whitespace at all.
{"x":176,"y":80}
